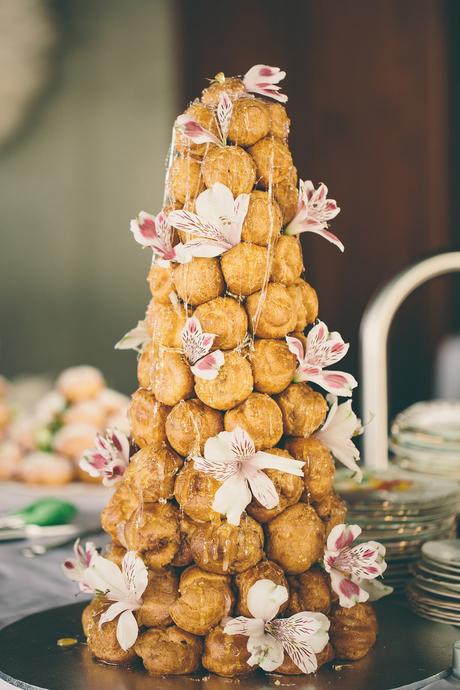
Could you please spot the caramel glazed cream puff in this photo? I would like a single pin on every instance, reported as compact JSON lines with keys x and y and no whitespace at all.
{"x":250,"y":297}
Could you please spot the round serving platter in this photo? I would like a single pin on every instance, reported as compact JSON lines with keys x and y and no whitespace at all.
{"x":409,"y":650}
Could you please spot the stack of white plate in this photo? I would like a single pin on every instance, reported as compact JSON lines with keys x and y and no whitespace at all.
{"x":434,"y":592}
{"x":426,"y":438}
{"x":402,"y":510}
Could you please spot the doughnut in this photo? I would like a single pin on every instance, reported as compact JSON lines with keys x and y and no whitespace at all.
{"x":287,"y":264}
{"x":295,"y":538}
{"x":185,"y":180}
{"x":158,"y":597}
{"x":45,"y":468}
{"x":279,"y":121}
{"x":161,"y":283}
{"x":263,"y":220}
{"x":152,"y":471}
{"x":231,"y":166}
{"x":147,"y":418}
{"x":154,"y":529}
{"x":272,"y":312}
{"x":194,"y":492}
{"x":205,"y":598}
{"x":189,"y":425}
{"x":184,"y":556}
{"x":226,"y":655}
{"x":309,"y":591}
{"x":287,"y":196}
{"x":169,"y":651}
{"x":289,"y":668}
{"x":250,"y":121}
{"x":303,"y":409}
{"x":165,"y":323}
{"x":173,"y":380}
{"x":232,"y":86}
{"x":232,"y":385}
{"x":353,"y":631}
{"x":222,"y":548}
{"x":226,"y":318}
{"x":289,"y":488}
{"x":273,"y":365}
{"x":264,"y":570}
{"x":245,"y":268}
{"x":337,"y":514}
{"x":206,"y":118}
{"x":306,"y":303}
{"x":73,"y":440}
{"x":120,"y":507}
{"x":319,"y":469}
{"x":199,"y":281}
{"x":260,"y":416}
{"x":273,"y":160}
{"x":10,"y":458}
{"x":102,"y":640}
{"x":80,"y":383}
{"x":86,"y":412}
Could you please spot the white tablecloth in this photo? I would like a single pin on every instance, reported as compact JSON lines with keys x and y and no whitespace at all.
{"x":30,"y":585}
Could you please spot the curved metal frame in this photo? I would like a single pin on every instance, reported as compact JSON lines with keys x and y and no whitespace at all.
{"x":375,"y":326}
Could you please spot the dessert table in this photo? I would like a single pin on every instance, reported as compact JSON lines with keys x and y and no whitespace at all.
{"x":29,"y":585}
{"x":409,"y":650}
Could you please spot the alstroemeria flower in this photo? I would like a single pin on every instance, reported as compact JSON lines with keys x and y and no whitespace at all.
{"x":197,"y":349}
{"x":135,"y":339}
{"x":192,"y":129}
{"x":323,"y":349}
{"x":376,"y":589}
{"x":109,"y":459}
{"x":314,"y":210}
{"x":216,"y":224}
{"x":348,"y":565}
{"x":155,"y":232}
{"x":301,"y":636}
{"x":231,"y":458}
{"x":124,"y":587}
{"x":264,"y":79}
{"x":75,"y":569}
{"x":337,"y":431}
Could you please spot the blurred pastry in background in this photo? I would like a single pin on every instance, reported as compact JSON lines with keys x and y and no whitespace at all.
{"x":45,"y":429}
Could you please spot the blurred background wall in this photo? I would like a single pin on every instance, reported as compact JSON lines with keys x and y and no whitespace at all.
{"x":373,"y":98}
{"x":89,"y":156}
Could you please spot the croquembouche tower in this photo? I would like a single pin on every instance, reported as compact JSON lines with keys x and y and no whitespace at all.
{"x":230,"y":550}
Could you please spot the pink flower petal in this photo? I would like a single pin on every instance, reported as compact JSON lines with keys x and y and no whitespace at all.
{"x":295,"y":346}
{"x":208,"y":367}
{"x":263,"y":79}
{"x":191,"y":129}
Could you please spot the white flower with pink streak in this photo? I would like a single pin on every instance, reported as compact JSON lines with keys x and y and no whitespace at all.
{"x":314,"y":211}
{"x":231,"y":458}
{"x":75,"y":569}
{"x":155,"y":232}
{"x":301,"y":637}
{"x":217,"y":223}
{"x":135,"y":339}
{"x":197,"y":348}
{"x":124,"y":587}
{"x":349,"y":565}
{"x":323,"y":349}
{"x":264,"y":80}
{"x":340,"y":427}
{"x":198,"y":134}
{"x":109,"y":458}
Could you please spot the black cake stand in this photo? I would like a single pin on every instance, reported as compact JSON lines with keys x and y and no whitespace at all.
{"x":409,"y":649}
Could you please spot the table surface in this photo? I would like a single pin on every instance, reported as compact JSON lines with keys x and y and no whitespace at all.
{"x":29,"y":585}
{"x":409,"y":649}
